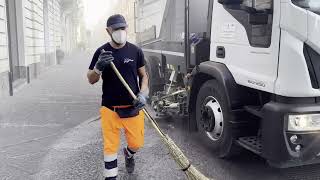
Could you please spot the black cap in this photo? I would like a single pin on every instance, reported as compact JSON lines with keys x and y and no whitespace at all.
{"x":116,"y":21}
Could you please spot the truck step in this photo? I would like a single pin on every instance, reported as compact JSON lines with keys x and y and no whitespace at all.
{"x":255,"y":110}
{"x":252,"y":143}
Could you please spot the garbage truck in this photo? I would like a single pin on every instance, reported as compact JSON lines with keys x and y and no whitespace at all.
{"x":246,"y":73}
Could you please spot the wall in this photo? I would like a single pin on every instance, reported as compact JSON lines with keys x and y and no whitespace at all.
{"x":52,"y":30}
{"x":34,"y":32}
{"x":4,"y":60}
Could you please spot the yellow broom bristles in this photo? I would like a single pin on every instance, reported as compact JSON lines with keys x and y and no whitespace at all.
{"x":191,"y":172}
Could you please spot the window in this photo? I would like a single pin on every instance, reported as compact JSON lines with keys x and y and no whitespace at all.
{"x":198,"y":16}
{"x":258,"y":4}
{"x":311,"y":5}
{"x":256,"y":16}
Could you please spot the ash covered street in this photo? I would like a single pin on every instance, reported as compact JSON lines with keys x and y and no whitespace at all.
{"x":63,"y":140}
{"x":75,"y":76}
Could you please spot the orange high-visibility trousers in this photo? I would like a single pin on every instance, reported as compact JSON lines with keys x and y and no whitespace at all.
{"x":111,"y":125}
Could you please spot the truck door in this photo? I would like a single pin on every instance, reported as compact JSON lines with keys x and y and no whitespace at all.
{"x":198,"y":18}
{"x":245,"y":37}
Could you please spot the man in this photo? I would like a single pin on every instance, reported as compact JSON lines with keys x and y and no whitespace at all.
{"x":119,"y":110}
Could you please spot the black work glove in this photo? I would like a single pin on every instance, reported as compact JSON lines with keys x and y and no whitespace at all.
{"x":140,"y":102}
{"x":104,"y":60}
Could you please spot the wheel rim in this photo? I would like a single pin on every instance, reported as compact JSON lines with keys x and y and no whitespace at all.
{"x":212,"y":118}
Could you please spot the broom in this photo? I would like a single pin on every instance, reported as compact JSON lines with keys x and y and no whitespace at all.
{"x":191,"y":172}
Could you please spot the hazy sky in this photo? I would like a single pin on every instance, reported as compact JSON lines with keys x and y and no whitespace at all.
{"x":94,"y":10}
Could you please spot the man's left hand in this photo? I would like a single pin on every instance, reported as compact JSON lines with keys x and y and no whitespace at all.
{"x":140,"y":102}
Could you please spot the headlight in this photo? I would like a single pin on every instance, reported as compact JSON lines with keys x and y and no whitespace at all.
{"x":305,"y":122}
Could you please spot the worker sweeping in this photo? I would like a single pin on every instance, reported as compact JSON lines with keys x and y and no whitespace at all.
{"x":119,"y":110}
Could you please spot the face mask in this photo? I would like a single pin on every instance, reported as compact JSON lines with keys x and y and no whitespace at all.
{"x":119,"y":37}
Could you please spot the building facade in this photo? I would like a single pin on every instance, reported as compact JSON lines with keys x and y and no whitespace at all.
{"x":4,"y":59}
{"x":52,"y":30}
{"x":31,"y":34}
{"x":33,"y":29}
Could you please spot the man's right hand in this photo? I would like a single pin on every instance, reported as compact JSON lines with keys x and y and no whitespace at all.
{"x":104,"y":60}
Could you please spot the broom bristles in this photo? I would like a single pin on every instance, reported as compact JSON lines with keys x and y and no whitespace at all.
{"x":191,"y":172}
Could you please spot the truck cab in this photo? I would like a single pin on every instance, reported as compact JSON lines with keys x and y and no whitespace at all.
{"x":245,"y":72}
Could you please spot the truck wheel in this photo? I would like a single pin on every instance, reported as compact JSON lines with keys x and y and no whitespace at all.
{"x":213,"y":117}
{"x":152,"y":68}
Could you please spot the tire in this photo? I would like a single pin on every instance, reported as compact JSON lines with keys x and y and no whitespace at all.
{"x":152,"y":68}
{"x":213,"y":116}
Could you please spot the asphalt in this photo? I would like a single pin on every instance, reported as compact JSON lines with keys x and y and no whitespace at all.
{"x":50,"y":130}
{"x":78,"y":155}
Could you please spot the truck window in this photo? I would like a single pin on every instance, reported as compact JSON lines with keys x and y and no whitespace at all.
{"x":148,"y":18}
{"x":311,"y":5}
{"x":198,"y":16}
{"x":258,"y":4}
{"x":173,"y":21}
{"x":256,"y":16}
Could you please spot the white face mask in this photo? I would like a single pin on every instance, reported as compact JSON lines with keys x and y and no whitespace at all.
{"x":120,"y":36}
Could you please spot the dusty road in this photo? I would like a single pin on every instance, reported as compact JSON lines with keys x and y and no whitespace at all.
{"x":46,"y":133}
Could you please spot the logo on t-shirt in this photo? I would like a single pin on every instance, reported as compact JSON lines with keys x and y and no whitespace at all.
{"x":127,"y":60}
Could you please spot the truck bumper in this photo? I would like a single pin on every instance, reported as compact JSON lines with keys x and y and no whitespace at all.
{"x":276,"y":144}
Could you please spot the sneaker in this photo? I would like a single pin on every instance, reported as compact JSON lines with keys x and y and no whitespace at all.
{"x":129,"y":161}
{"x":113,"y":178}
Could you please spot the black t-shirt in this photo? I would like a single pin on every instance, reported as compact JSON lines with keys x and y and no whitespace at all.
{"x":127,"y":60}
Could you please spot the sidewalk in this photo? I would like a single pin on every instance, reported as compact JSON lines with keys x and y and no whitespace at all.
{"x":40,"y":112}
{"x":45,"y":131}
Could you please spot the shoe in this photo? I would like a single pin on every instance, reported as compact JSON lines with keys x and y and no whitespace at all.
{"x":129,"y":161}
{"x":113,"y":178}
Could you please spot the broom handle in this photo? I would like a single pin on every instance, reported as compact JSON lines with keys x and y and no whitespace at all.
{"x":121,"y":78}
{"x":123,"y":81}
